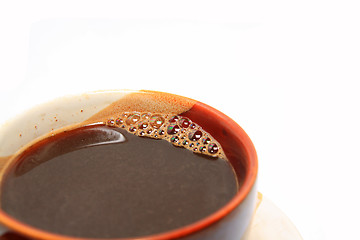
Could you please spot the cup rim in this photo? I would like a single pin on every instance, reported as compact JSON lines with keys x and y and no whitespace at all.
{"x":243,"y":191}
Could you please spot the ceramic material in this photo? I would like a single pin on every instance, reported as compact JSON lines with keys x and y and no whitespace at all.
{"x":229,"y":223}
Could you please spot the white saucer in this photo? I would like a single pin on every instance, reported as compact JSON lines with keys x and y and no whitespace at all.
{"x":270,"y":223}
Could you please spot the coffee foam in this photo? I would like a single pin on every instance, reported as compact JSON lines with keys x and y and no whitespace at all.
{"x":179,"y":130}
{"x":158,"y":115}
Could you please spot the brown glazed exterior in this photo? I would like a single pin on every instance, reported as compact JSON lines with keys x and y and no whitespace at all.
{"x":229,"y":223}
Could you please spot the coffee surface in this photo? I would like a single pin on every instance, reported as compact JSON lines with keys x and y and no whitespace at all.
{"x":103,"y":182}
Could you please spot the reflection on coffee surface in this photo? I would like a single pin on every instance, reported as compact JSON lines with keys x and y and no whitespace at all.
{"x":120,"y":179}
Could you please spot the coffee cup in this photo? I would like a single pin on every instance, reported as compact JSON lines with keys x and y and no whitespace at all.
{"x":121,"y":109}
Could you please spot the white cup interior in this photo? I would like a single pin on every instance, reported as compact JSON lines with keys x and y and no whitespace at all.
{"x":55,"y":114}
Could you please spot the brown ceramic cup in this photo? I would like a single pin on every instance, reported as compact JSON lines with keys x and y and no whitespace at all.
{"x":231,"y":222}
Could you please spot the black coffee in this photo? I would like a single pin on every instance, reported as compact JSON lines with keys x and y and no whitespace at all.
{"x":100,"y":181}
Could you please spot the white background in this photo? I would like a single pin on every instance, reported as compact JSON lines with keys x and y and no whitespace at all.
{"x":286,"y":71}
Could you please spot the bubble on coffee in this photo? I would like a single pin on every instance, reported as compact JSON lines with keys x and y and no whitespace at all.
{"x":176,"y":129}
